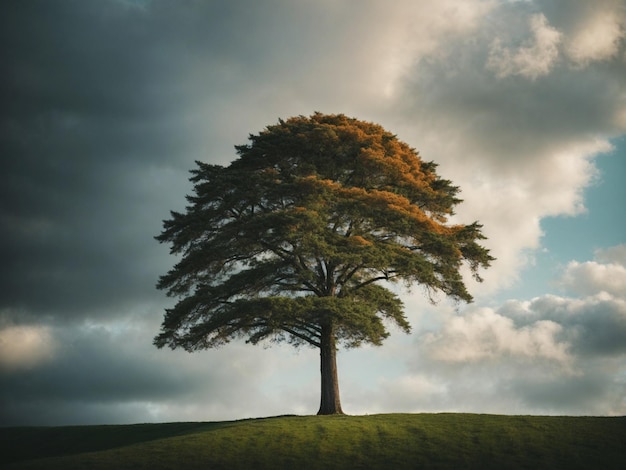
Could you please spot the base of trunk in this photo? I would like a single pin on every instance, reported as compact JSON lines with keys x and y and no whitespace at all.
{"x":330,"y":404}
{"x":330,"y":413}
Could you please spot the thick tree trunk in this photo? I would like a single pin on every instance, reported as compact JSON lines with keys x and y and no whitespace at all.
{"x":330,"y":404}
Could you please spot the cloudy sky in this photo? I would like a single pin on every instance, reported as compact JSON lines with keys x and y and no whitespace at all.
{"x":107,"y":103}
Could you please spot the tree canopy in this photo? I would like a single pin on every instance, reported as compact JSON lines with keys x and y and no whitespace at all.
{"x":298,"y":239}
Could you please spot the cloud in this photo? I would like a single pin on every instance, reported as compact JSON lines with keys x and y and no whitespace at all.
{"x":612,"y":255}
{"x":592,"y":276}
{"x":25,"y":347}
{"x":94,"y":138}
{"x":607,"y":274}
{"x":594,"y":325}
{"x":597,"y":34}
{"x":598,"y":40}
{"x":486,"y":335}
{"x":531,"y":60}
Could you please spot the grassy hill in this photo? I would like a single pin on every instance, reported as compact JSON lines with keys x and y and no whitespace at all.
{"x":392,"y":441}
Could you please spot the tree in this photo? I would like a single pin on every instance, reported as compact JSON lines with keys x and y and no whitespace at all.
{"x":299,"y":238}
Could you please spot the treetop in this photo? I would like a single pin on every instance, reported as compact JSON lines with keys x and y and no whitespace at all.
{"x":305,"y":229}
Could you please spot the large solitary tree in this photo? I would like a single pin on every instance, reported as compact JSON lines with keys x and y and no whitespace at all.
{"x":299,"y":238}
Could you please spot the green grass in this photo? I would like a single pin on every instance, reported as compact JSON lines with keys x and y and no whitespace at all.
{"x":392,"y":441}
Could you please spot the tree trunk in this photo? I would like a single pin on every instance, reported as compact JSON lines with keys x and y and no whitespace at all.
{"x":329,"y":403}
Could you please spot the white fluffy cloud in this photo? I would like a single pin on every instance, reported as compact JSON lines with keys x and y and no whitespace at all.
{"x":606,"y":274}
{"x":534,"y":58}
{"x":591,"y":276}
{"x":486,"y":335}
{"x":598,"y":34}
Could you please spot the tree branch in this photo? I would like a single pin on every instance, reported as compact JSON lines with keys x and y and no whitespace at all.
{"x":370,"y":281}
{"x":347,"y":276}
{"x":301,"y":336}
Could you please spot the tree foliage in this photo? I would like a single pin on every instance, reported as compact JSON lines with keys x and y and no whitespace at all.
{"x":301,"y":234}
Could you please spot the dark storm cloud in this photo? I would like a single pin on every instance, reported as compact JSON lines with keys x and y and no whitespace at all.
{"x":594,"y":327}
{"x":89,"y":249}
{"x":569,"y":394}
{"x":81,"y":58}
{"x":92,"y":123}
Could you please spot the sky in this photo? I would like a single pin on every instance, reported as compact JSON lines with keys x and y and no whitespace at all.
{"x":108,"y":103}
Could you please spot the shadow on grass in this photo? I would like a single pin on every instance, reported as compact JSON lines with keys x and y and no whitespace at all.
{"x":23,"y":443}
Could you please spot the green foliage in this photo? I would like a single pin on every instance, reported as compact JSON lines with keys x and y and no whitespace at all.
{"x":399,"y":441}
{"x":301,"y":232}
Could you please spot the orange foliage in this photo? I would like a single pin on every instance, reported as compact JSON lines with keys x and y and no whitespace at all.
{"x":359,"y":240}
